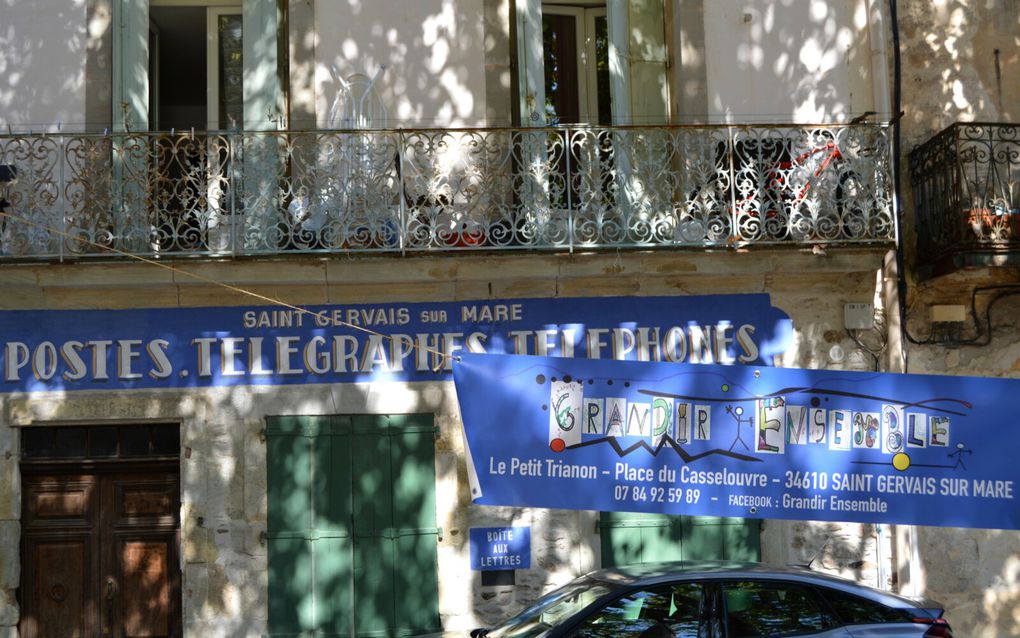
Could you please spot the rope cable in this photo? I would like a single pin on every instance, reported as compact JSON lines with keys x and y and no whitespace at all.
{"x":209,"y":280}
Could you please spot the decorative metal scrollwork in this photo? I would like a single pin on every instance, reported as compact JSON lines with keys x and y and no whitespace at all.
{"x":552,"y":188}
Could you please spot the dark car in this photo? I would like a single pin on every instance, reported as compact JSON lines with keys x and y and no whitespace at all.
{"x":721,"y":600}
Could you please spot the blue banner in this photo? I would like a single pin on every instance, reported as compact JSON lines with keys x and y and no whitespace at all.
{"x":743,"y":441}
{"x":499,"y":548}
{"x":193,"y":347}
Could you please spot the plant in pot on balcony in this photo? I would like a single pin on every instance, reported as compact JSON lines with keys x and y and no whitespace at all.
{"x":996,"y":218}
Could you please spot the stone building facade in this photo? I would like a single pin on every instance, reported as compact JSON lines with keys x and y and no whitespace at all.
{"x":959,"y":62}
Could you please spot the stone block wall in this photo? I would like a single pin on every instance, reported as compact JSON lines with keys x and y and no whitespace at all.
{"x":223,"y":479}
{"x":960,"y":63}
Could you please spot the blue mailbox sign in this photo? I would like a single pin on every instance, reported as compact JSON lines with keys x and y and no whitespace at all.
{"x":500,"y":548}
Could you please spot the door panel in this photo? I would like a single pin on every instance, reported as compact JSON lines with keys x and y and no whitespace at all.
{"x":141,"y":581}
{"x":59,"y":559}
{"x":101,"y":554}
{"x":58,"y":595}
{"x":58,"y":502}
{"x":145,"y":587}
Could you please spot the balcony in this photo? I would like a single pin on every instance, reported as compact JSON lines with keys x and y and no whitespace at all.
{"x":966,"y":185}
{"x":407,"y":191}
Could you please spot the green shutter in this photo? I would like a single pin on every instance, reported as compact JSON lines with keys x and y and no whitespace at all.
{"x":289,"y":492}
{"x":374,"y":558}
{"x":332,"y":547}
{"x":416,"y":584}
{"x":308,"y":473}
{"x":395,"y":572}
{"x":712,"y":538}
{"x":631,"y":538}
{"x":352,"y":529}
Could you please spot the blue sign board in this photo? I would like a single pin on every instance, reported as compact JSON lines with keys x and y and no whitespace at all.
{"x":745,"y":441}
{"x":196,"y":347}
{"x":499,"y":548}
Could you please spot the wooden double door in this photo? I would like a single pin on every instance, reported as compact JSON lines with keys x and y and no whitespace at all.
{"x":100,"y":552}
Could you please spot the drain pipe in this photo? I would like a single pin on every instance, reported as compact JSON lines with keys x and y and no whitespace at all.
{"x":879,"y":60}
{"x":890,"y":112}
{"x":915,"y":572}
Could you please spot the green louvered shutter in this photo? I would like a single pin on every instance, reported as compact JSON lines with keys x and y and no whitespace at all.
{"x":712,"y":538}
{"x":309,"y":494}
{"x":395,"y":574}
{"x":632,"y":538}
{"x":352,"y":526}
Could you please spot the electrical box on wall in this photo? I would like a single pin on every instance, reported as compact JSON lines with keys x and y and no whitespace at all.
{"x":948,"y":313}
{"x":859,"y":316}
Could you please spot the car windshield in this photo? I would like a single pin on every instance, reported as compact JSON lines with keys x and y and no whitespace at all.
{"x":552,"y":608}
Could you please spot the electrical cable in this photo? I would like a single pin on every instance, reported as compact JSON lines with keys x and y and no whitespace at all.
{"x":208,"y":280}
{"x":875,"y":354}
{"x":979,"y":339}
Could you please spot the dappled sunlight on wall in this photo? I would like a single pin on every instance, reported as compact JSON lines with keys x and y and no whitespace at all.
{"x":42,"y":64}
{"x":963,"y":58}
{"x":787,"y":61}
{"x":974,"y":573}
{"x":433,"y":53}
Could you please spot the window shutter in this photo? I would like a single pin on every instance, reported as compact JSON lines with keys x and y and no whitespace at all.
{"x":649,"y":87}
{"x":412,"y":449}
{"x":263,"y":93}
{"x":713,"y":538}
{"x":352,"y":526}
{"x":289,"y":444}
{"x":308,"y":476}
{"x":632,"y":538}
{"x":395,"y":572}
{"x":530,"y":62}
{"x":131,"y":65}
{"x":638,"y":58}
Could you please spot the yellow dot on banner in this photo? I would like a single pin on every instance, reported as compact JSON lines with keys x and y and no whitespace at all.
{"x":725,"y":387}
{"x":901,"y":461}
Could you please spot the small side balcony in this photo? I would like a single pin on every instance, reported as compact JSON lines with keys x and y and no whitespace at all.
{"x":412,"y":191}
{"x":966,"y":186}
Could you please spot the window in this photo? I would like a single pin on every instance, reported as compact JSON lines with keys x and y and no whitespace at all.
{"x":772,"y":609}
{"x":100,"y":443}
{"x":592,"y":62}
{"x":673,"y":609}
{"x":575,"y":44}
{"x":854,"y":610}
{"x":550,"y":609}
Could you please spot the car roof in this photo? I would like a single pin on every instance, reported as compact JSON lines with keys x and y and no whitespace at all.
{"x":655,"y":573}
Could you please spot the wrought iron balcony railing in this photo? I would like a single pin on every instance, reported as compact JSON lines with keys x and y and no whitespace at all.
{"x":437,"y":190}
{"x":966,"y":185}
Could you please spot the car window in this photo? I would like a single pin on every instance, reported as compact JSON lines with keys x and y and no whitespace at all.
{"x":551,"y":609}
{"x":660,"y":612}
{"x":854,"y":610}
{"x":753,"y":609}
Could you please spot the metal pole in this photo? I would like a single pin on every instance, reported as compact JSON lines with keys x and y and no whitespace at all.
{"x":403,"y":230}
{"x":570,"y":200}
{"x":61,"y":196}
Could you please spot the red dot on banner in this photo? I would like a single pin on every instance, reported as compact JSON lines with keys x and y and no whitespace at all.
{"x":558,"y":445}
